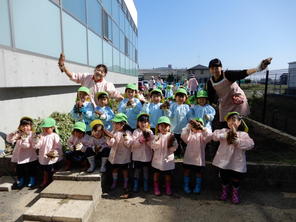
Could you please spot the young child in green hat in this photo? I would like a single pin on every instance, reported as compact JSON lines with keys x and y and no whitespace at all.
{"x":120,"y":143}
{"x":50,"y":150}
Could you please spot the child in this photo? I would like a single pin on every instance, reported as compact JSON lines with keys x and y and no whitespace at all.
{"x":230,"y":157}
{"x":50,"y":150}
{"x":196,"y":136}
{"x":83,"y":110}
{"x":154,"y":108}
{"x":169,"y":91}
{"x":99,"y":135}
{"x":164,"y":146}
{"x":141,"y":149}
{"x":24,"y":153}
{"x":203,"y":110}
{"x":130,"y":106}
{"x":103,"y":110}
{"x":80,"y":148}
{"x":120,"y":154}
{"x":179,"y":117}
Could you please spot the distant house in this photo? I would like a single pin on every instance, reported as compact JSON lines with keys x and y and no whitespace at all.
{"x":201,"y":73}
{"x":292,"y":78}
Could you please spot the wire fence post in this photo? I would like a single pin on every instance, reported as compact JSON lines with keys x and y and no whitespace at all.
{"x":265,"y":96}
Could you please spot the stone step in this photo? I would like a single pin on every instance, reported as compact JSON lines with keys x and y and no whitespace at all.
{"x":77,"y":175}
{"x":78,"y":190}
{"x":60,"y":210}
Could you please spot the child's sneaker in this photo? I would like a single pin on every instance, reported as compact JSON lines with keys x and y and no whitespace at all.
{"x":235,"y":195}
{"x":224,"y":193}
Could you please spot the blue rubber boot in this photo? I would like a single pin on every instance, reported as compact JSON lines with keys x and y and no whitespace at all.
{"x":32,"y":182}
{"x":136,"y":185}
{"x":197,"y":188}
{"x":20,"y":182}
{"x":186,"y":185}
{"x":146,"y":186}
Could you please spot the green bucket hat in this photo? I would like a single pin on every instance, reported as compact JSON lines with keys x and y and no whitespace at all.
{"x":48,"y":122}
{"x":84,"y":89}
{"x":101,"y":93}
{"x":199,"y":120}
{"x":156,"y":91}
{"x":245,"y":127}
{"x":142,"y":114}
{"x":131,"y":86}
{"x":80,"y":126}
{"x":181,"y":90}
{"x":202,"y":94}
{"x":164,"y":119}
{"x":119,"y":117}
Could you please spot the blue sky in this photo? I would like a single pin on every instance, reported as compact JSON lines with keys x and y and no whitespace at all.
{"x":185,"y":33}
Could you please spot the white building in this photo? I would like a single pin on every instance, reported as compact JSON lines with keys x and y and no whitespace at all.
{"x":34,"y":32}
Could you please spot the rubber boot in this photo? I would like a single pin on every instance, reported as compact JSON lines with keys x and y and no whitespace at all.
{"x":68,"y":165}
{"x":146,"y":186}
{"x":197,"y":188}
{"x":114,"y":182}
{"x":92,"y":164}
{"x":235,"y":195}
{"x":45,"y":180}
{"x":125,"y":184}
{"x":20,"y":182}
{"x":103,"y":164}
{"x":156,"y":188}
{"x":136,"y":185}
{"x":32,"y":182}
{"x":168,"y":188}
{"x":186,"y":184}
{"x":224,"y":192}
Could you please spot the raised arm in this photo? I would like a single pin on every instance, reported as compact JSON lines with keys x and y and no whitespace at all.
{"x":62,"y":66}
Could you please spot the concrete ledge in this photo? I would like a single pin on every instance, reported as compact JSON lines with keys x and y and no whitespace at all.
{"x":77,"y":175}
{"x":273,"y":133}
{"x":62,"y":210}
{"x":78,"y":190}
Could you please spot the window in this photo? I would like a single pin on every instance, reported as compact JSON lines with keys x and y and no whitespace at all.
{"x":107,"y":54}
{"x":4,"y":23}
{"x":43,"y":17}
{"x":122,"y":42}
{"x":94,"y":16}
{"x":94,"y":49}
{"x":136,"y":56}
{"x":122,"y":63}
{"x":74,"y":40}
{"x":115,"y":11}
{"x":107,"y":27}
{"x":116,"y":36}
{"x":125,"y":46}
{"x":121,"y":19}
{"x":116,"y":60}
{"x":76,"y":8}
{"x":107,"y":4}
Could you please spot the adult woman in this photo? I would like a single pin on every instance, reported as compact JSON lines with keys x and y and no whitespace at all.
{"x":223,"y":84}
{"x":95,"y":82}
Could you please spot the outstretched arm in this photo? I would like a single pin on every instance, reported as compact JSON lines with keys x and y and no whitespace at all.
{"x":63,"y":67}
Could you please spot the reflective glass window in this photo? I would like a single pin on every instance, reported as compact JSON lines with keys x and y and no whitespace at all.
{"x":107,"y":4}
{"x":122,"y":42}
{"x":121,"y":19}
{"x":116,"y":60}
{"x":122,"y":63}
{"x":107,"y":54}
{"x":94,"y":16}
{"x":74,"y":35}
{"x":75,"y":8}
{"x":94,"y":49}
{"x":4,"y":23}
{"x":115,"y":11}
{"x":37,"y":26}
{"x":116,"y":36}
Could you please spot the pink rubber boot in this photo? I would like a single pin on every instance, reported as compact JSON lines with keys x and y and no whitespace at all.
{"x":224,"y":193}
{"x":235,"y":195}
{"x":156,"y":188}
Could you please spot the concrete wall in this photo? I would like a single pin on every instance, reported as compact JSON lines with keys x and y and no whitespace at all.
{"x":32,"y":85}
